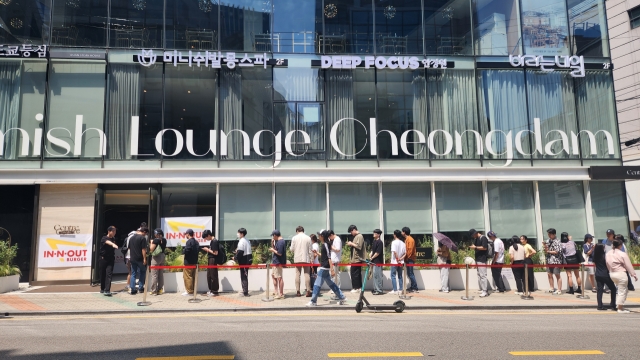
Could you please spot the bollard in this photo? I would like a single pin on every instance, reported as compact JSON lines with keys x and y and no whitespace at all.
{"x":466,"y":286}
{"x":268,"y":298}
{"x":144,"y":301}
{"x":195,"y":288}
{"x":527,"y":293}
{"x":404,"y":295}
{"x":582,"y":296}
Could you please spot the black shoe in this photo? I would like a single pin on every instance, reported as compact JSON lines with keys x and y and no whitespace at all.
{"x":134,"y":293}
{"x":602,"y":308}
{"x":107,"y":294}
{"x":570,"y":291}
{"x":579,"y":291}
{"x":613,"y":308}
{"x":246,"y":295}
{"x":101,"y":291}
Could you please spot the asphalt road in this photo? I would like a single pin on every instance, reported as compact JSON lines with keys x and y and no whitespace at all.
{"x":315,"y":334}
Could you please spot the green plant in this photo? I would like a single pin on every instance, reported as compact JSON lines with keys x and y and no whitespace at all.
{"x":634,"y":253}
{"x":7,"y":254}
{"x":261,"y":254}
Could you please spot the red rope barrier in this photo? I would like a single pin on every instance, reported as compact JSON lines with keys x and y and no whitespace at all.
{"x":451,"y":266}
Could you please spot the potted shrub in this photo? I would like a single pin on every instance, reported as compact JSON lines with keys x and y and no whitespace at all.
{"x":9,"y":273}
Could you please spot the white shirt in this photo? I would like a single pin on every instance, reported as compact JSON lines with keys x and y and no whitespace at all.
{"x":400,"y":250}
{"x":245,"y":246}
{"x":336,"y":255}
{"x":316,"y":248}
{"x":498,"y":248}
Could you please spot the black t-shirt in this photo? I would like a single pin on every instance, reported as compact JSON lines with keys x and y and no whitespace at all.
{"x":324,"y":256}
{"x":162,"y":242}
{"x":481,"y":255}
{"x":377,"y":248}
{"x":214,"y":246}
{"x":107,"y":252}
{"x":136,"y":244}
{"x":191,"y":249}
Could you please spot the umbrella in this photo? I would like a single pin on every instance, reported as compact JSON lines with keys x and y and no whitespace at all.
{"x":444,"y":239}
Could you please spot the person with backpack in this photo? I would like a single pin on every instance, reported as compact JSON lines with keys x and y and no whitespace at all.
{"x":215,"y":257}
{"x":496,"y":253}
{"x":157,"y":247}
{"x":191,"y":249}
{"x":481,"y":247}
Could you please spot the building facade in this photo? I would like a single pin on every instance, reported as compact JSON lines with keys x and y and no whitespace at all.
{"x":441,"y":116}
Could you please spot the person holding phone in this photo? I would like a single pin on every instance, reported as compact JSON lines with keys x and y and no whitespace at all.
{"x":212,"y":254}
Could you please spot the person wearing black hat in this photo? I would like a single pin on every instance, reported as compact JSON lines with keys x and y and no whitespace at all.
{"x":191,"y":249}
{"x":608,"y":241}
{"x":157,"y":247}
{"x":212,"y":258}
{"x":553,"y":250}
{"x":107,"y":259}
{"x":481,"y":246}
{"x":279,"y":259}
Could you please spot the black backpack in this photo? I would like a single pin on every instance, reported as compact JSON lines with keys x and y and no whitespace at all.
{"x":221,"y":258}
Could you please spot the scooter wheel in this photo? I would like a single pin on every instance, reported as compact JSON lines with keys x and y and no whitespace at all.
{"x":399,"y":306}
{"x":358,"y":306}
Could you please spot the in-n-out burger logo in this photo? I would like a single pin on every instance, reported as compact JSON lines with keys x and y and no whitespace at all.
{"x":569,"y":143}
{"x":66,"y":229}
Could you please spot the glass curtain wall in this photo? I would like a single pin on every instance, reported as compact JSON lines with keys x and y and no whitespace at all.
{"x":348,"y":27}
{"x":301,"y":205}
{"x":245,"y":25}
{"x":136,"y":24}
{"x":407,"y":204}
{"x":459,"y":207}
{"x":354,"y":204}
{"x":79,"y":23}
{"x":497,"y":27}
{"x":588,"y":26}
{"x":189,"y":200}
{"x":512,"y":209}
{"x":609,"y":208}
{"x":297,"y":33}
{"x":192,"y":24}
{"x":398,"y":27}
{"x":24,"y":22}
{"x":447,"y":27}
{"x":246,"y":206}
{"x":562,"y":207}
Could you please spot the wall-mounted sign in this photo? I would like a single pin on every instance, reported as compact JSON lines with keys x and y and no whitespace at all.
{"x":66,"y":229}
{"x":174,"y":228}
{"x":24,"y":51}
{"x":425,"y":253}
{"x":78,"y":54}
{"x":381,"y":62}
{"x":614,"y":172}
{"x":64,"y":250}
{"x":550,"y":64}
{"x":214,"y":59}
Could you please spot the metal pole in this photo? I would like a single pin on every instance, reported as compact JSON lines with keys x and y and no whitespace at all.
{"x":466,"y":285}
{"x":144,"y":301}
{"x":404,"y":283}
{"x":268,"y":298}
{"x":582,"y":295}
{"x":527,"y":294}
{"x":195,"y":287}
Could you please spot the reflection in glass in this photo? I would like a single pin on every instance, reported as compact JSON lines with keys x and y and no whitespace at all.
{"x":136,"y":24}
{"x":609,"y":207}
{"x":354,"y":204}
{"x":296,"y":25}
{"x":79,"y":23}
{"x":588,"y":24}
{"x":497,"y":29}
{"x":511,"y":209}
{"x":348,"y":27}
{"x":24,"y":22}
{"x":398,"y":26}
{"x":192,"y":24}
{"x":248,"y":206}
{"x":544,"y":27}
{"x":300,"y":205}
{"x":245,"y":24}
{"x":298,"y":84}
{"x":189,"y":200}
{"x":307,"y":117}
{"x":562,"y":207}
{"x":447,"y":27}
{"x":459,"y":206}
{"x":407,"y":204}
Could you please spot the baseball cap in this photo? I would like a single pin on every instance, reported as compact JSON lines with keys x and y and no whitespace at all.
{"x":588,"y":236}
{"x":611,"y":232}
{"x":492,"y":234}
{"x":189,"y":231}
{"x":275,"y":232}
{"x":320,"y":232}
{"x":472,"y":232}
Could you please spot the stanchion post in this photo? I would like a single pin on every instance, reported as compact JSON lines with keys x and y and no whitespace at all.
{"x":404,"y":284}
{"x":144,"y":301}
{"x":195,"y":287}
{"x":466,"y":286}
{"x":268,"y":298}
{"x":527,"y":293}
{"x":582,"y":295}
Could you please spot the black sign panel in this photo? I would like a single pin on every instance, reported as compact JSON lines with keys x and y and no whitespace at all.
{"x":424,"y":253}
{"x":614,"y":172}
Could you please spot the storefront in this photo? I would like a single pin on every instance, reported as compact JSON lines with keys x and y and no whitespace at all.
{"x":440,"y":116}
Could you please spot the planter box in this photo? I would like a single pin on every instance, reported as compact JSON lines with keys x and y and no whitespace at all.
{"x":9,"y":283}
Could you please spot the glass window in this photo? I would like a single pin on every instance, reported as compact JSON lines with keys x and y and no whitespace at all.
{"x":246,"y":101}
{"x":588,"y":24}
{"x":189,"y":200}
{"x":136,"y":23}
{"x":24,"y":22}
{"x":307,"y":117}
{"x":348,"y":27}
{"x":398,"y":26}
{"x":76,"y":108}
{"x":298,"y":84}
{"x":609,"y":207}
{"x":354,"y":204}
{"x":562,"y":207}
{"x":245,"y":25}
{"x":544,"y":27}
{"x":552,"y":101}
{"x":191,"y":107}
{"x":133,"y":91}
{"x":596,"y":113}
{"x":634,"y":17}
{"x":79,"y":23}
{"x":192,"y":24}
{"x":459,"y":206}
{"x":22,"y":90}
{"x":447,"y":27}
{"x":512,"y":209}
{"x":296,"y":33}
{"x":407,"y":204}
{"x":497,"y":27}
{"x":300,"y":205}
{"x":248,"y":206}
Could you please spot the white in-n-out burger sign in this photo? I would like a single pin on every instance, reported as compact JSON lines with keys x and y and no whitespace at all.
{"x":380,"y":62}
{"x":569,"y":143}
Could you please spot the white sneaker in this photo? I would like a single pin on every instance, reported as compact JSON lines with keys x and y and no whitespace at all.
{"x":518,"y":293}
{"x":484,"y":294}
{"x":550,"y":291}
{"x":331,"y":292}
{"x":186,"y":294}
{"x":625,"y":311}
{"x":558,"y":292}
{"x":393,"y":292}
{"x":355,"y":290}
{"x":311,"y":304}
{"x":209,"y":293}
{"x":445,"y":291}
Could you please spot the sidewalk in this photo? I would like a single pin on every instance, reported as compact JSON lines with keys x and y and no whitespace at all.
{"x":26,"y":303}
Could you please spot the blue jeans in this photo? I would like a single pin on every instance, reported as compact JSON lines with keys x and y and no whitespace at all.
{"x":377,"y":278}
{"x":138,"y":270}
{"x":411,"y":276}
{"x":324,"y":275}
{"x":394,"y":270}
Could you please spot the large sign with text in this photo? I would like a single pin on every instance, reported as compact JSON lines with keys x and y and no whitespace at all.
{"x":549,"y":63}
{"x":382,"y":62}
{"x":213,"y":59}
{"x":64,"y":250}
{"x":174,"y":229}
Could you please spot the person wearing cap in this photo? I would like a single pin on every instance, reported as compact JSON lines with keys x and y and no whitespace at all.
{"x":301,"y":249}
{"x":608,"y":241}
{"x":335,"y":244}
{"x":377,"y":259}
{"x":278,"y":260}
{"x":212,"y":259}
{"x":243,"y":257}
{"x":191,"y":250}
{"x":138,"y":253}
{"x":107,"y":259}
{"x":357,"y":257}
{"x":587,"y":249}
{"x":410,"y":259}
{"x":497,"y":261}
{"x":325,"y":272}
{"x":553,"y":251}
{"x":157,"y":275}
{"x":481,"y":246}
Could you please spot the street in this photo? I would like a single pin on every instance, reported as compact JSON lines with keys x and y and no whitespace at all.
{"x":322,"y":334}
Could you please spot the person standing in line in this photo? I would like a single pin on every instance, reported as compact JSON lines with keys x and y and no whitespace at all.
{"x":325,"y":272}
{"x":398,"y":254}
{"x":480,"y":245}
{"x":127,"y":253}
{"x":608,"y":241}
{"x":191,"y":250}
{"x":619,"y":265}
{"x":244,"y":257}
{"x":553,"y":251}
{"x":528,"y":259}
{"x":602,"y":277}
{"x":569,"y":251}
{"x":444,"y":257}
{"x":315,"y":251}
{"x":138,"y":252}
{"x":212,"y":259}
{"x":335,"y":244}
{"x":410,"y":259}
{"x":587,"y":249}
{"x":377,"y":260}
{"x":357,"y":258}
{"x":301,"y":249}
{"x":497,"y":262}
{"x":279,"y":259}
{"x":517,"y":254}
{"x":108,"y":247}
{"x":156,"y":248}
{"x":623,"y":248}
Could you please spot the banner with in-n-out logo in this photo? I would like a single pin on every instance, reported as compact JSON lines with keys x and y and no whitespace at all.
{"x":174,"y":228}
{"x":64,"y":250}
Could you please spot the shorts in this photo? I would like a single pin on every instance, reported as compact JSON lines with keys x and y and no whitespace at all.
{"x":277,"y":272}
{"x":553,"y":270}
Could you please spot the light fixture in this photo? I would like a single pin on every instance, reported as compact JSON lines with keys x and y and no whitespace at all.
{"x":73,"y":3}
{"x":5,"y":2}
{"x":16,"y":23}
{"x":447,"y":13}
{"x":140,"y":4}
{"x":188,"y":91}
{"x":389,"y":12}
{"x":205,"y":5}
{"x":330,"y":11}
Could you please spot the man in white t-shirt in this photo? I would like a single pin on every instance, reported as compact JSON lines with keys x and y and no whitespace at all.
{"x":336,"y":255}
{"x":498,"y":261}
{"x":398,"y":252}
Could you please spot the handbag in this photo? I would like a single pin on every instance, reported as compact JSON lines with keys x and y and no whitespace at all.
{"x":157,"y":250}
{"x":580,"y":257}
